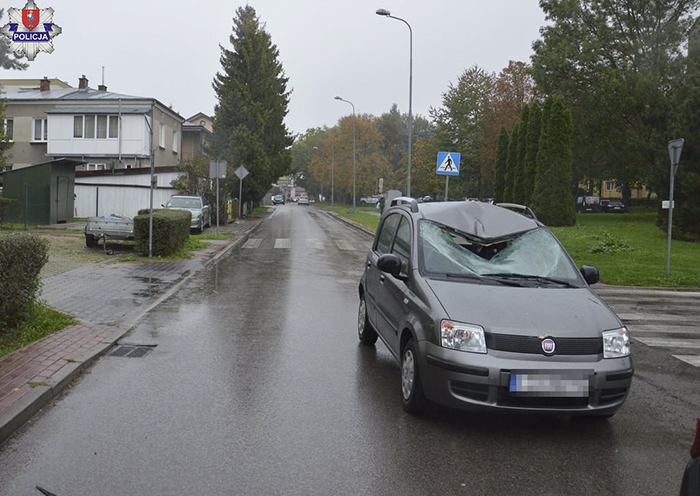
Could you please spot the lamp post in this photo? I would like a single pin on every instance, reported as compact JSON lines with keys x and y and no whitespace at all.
{"x":386,"y":13}
{"x":353,"y":149}
{"x":332,"y":164}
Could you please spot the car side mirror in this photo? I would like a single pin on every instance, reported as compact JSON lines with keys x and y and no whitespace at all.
{"x":389,"y":263}
{"x":590,"y":274}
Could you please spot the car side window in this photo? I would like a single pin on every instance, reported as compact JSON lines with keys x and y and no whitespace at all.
{"x":402,"y":244}
{"x":386,"y":234}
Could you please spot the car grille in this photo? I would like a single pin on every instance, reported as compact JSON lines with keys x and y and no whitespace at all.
{"x":479,"y":392}
{"x":533,"y":344}
{"x":504,"y":398}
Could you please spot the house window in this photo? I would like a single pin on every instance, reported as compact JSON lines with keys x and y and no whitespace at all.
{"x":90,"y":126}
{"x":41,"y":130}
{"x":77,"y":126}
{"x":161,"y":143}
{"x":201,"y":123}
{"x":175,"y":141}
{"x":9,"y":129}
{"x":101,"y":127}
{"x":113,"y":126}
{"x":609,"y":185}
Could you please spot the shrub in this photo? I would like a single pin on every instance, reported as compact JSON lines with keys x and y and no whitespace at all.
{"x":171,"y":229}
{"x":8,"y":207}
{"x":22,"y":256}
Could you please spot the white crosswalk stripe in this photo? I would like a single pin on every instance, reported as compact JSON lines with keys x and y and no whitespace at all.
{"x":671,"y":342}
{"x":252,"y":243}
{"x":283,"y":243}
{"x":693,"y":360}
{"x":315,"y":244}
{"x":343,"y":245}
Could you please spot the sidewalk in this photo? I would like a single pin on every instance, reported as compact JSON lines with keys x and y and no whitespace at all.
{"x":107,"y":298}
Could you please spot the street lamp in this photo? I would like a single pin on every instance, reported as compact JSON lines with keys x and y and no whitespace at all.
{"x":386,"y":13}
{"x":353,"y":150}
{"x":332,"y":164}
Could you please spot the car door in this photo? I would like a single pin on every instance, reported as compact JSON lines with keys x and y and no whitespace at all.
{"x":393,"y":294}
{"x":374,"y":276}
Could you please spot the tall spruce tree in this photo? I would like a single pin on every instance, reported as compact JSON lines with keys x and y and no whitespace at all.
{"x":252,"y":98}
{"x":501,"y":165}
{"x":519,"y":171}
{"x":532,"y":139}
{"x":511,"y":161}
{"x":686,"y":211}
{"x":553,"y":202}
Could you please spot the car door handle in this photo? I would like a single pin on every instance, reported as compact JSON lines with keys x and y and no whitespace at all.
{"x":382,"y":278}
{"x":369,"y":265}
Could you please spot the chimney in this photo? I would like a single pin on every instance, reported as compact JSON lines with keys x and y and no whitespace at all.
{"x":82,"y":83}
{"x":102,"y":87}
{"x":45,"y":84}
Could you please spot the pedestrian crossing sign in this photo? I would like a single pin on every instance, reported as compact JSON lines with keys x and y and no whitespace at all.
{"x":448,"y":163}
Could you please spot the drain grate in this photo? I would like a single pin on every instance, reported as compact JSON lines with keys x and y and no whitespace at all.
{"x":131,"y":350}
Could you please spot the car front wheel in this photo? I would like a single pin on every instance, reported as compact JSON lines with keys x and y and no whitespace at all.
{"x":365,"y":331}
{"x":412,"y":396}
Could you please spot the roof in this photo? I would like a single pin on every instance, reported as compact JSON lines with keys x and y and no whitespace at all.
{"x":477,"y":219}
{"x":101,"y":109}
{"x":59,"y":161}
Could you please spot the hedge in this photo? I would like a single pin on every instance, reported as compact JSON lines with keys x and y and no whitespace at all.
{"x":22,"y":256}
{"x":171,"y":230}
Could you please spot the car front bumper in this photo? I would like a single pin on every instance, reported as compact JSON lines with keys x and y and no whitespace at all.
{"x":482,"y":382}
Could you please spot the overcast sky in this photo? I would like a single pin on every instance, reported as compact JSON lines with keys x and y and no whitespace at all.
{"x":170,"y":49}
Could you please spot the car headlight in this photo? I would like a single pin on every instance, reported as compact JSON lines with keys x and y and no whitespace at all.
{"x":463,"y":337}
{"x":616,"y":343}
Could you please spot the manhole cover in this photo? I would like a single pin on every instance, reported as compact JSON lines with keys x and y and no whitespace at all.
{"x":131,"y":350}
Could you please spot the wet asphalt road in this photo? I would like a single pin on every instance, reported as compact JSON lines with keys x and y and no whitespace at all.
{"x":258,"y":386}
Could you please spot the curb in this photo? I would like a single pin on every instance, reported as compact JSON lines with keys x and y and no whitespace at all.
{"x":20,"y":412}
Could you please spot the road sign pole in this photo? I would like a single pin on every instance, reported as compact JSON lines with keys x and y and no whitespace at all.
{"x":674,"y":149}
{"x":447,"y":186}
{"x":217,"y":204}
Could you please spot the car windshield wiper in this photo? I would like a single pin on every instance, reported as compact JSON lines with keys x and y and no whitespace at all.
{"x":477,"y":277}
{"x":530,"y":277}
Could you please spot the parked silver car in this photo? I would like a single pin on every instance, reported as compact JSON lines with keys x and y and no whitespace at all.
{"x":198,"y":205}
{"x":485,"y":310}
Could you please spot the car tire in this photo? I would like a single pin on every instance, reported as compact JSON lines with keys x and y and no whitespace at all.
{"x":365,"y":331}
{"x":363,"y":203}
{"x":412,"y":396}
{"x":90,"y":241}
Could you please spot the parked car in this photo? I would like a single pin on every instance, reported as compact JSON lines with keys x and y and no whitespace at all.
{"x":613,"y":206}
{"x":588,"y":204}
{"x":369,"y":200}
{"x":303,"y":200}
{"x":278,"y":200}
{"x":198,"y":205}
{"x":484,"y":310}
{"x":690,"y":485}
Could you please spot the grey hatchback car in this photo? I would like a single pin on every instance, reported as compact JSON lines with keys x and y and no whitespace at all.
{"x":484,"y":310}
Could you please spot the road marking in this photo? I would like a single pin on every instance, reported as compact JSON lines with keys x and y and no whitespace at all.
{"x":662,"y":329}
{"x":252,"y":243}
{"x":343,"y":245}
{"x":315,"y":243}
{"x":670,"y":342}
{"x":283,"y":243}
{"x":691,"y":359}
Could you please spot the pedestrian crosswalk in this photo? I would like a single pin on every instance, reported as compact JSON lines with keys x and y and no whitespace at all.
{"x":662,"y":320}
{"x":310,"y":243}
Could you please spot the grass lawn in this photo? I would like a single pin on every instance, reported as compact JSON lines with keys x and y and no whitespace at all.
{"x":366,"y":216}
{"x":628,"y":249}
{"x":42,"y":321}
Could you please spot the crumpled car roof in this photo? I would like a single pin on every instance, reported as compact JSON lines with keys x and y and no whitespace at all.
{"x":477,"y":219}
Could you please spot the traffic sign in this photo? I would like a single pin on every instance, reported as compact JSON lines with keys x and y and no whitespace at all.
{"x":241,"y":172}
{"x":448,"y":163}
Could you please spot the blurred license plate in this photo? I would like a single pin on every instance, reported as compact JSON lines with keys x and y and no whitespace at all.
{"x":568,"y":385}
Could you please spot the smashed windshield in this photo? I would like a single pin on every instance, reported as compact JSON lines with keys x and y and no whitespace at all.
{"x":533,"y":254}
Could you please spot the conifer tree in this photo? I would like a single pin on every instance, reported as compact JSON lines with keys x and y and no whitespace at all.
{"x":519,"y":170}
{"x":511,"y":163}
{"x":532,"y":138}
{"x":553,"y":203}
{"x":252,"y":98}
{"x":501,"y":164}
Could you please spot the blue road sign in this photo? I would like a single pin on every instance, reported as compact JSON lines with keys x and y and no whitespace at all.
{"x":448,"y":163}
